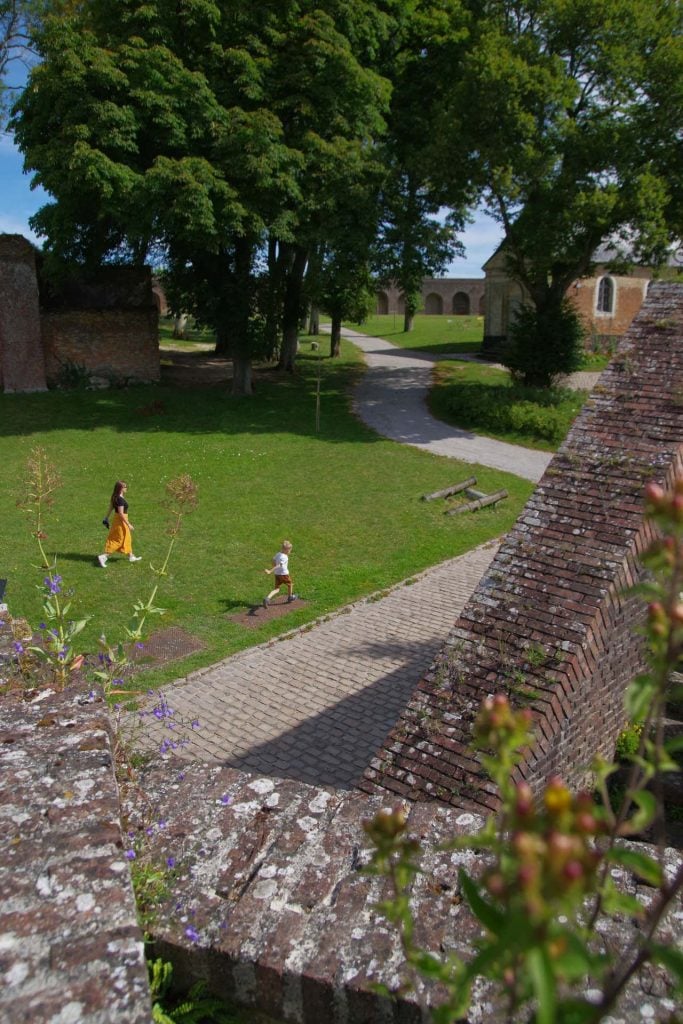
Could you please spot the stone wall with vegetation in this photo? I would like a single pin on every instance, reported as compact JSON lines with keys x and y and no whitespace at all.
{"x":553,"y":623}
{"x":70,"y":945}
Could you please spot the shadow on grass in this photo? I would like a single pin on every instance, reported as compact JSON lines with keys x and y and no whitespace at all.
{"x":283,"y":400}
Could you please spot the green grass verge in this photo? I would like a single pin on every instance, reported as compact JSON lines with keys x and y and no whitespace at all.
{"x":347,"y":499}
{"x":196,"y":340}
{"x":446,"y":335}
{"x":437,"y":334}
{"x":483,"y":399}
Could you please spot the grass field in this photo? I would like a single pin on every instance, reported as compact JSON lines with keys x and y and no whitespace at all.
{"x":437,"y":334}
{"x":347,"y":499}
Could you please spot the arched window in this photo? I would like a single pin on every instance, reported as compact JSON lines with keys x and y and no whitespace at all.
{"x":433,"y":304}
{"x":461,"y":304}
{"x":382,"y":303}
{"x":605,"y":295}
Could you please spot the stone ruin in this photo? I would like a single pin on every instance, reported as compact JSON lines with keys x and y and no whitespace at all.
{"x":268,"y":903}
{"x":97,"y":330}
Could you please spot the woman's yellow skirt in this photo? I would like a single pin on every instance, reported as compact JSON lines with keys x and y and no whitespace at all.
{"x":119,"y":538}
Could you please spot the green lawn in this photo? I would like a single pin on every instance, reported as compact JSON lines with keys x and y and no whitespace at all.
{"x":437,"y":334}
{"x":197,"y":340}
{"x":482,"y":398}
{"x":347,"y":499}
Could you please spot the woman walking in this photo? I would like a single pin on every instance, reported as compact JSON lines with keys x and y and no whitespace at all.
{"x":119,"y":540}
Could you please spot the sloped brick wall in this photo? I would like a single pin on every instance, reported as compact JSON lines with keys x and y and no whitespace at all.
{"x":552,"y":623}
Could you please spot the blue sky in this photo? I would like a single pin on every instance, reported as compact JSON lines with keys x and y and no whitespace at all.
{"x":18,"y":203}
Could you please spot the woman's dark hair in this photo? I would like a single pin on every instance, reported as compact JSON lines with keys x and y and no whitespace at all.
{"x":118,"y":487}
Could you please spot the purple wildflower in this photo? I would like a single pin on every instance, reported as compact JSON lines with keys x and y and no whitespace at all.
{"x":226,"y":800}
{"x":18,"y":647}
{"x":192,"y":933}
{"x":130,"y":854}
{"x":53,"y":584}
{"x":195,"y":724}
{"x":170,"y":862}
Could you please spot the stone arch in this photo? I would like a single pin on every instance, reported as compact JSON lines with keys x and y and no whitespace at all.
{"x":461,"y":304}
{"x":401,"y":303}
{"x":382,"y":307}
{"x":482,"y":305}
{"x":433,"y":304}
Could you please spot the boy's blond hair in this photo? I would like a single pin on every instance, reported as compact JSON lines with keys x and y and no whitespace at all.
{"x":286,"y":544}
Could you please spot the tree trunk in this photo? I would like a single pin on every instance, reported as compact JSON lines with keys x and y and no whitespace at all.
{"x":314,"y":320}
{"x":292,"y":309}
{"x":221,"y":348}
{"x":180,"y":326}
{"x":241,"y":375}
{"x":408,"y":318}
{"x":240,"y":341}
{"x":335,"y":337}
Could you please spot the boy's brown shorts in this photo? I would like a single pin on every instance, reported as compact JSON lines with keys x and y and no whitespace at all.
{"x":280,"y":580}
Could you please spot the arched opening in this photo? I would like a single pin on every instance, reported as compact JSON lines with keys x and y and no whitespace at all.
{"x":433,"y":304}
{"x":461,"y":304}
{"x":382,"y":303}
{"x":482,"y":305}
{"x":605,"y":301}
{"x":401,"y":304}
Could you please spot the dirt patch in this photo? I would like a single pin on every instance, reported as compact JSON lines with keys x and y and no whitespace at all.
{"x":194,"y":369}
{"x":166,"y":645}
{"x":257,"y":614}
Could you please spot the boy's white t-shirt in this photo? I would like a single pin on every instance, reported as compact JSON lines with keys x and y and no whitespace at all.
{"x":281,"y":562}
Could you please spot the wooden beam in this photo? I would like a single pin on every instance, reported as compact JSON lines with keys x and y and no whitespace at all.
{"x":450,"y":490}
{"x":472,"y":506}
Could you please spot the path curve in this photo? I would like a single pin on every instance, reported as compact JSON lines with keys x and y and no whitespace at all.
{"x":392,"y":399}
{"x":316,"y":704}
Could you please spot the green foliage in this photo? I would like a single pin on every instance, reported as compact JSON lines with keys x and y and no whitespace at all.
{"x":545,"y":893}
{"x":545,"y":343}
{"x":483,"y":399}
{"x":195,"y":1007}
{"x":72,"y":376}
{"x":628,"y":741}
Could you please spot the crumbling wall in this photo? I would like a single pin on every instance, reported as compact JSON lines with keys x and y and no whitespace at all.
{"x":553,"y":623}
{"x":106,"y":325}
{"x":100,"y":328}
{"x":22,"y":366}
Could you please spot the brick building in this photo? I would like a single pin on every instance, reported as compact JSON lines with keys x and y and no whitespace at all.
{"x":441,"y":296}
{"x":607,"y":301}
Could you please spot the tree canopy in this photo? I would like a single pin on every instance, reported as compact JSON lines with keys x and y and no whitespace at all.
{"x":233,"y":142}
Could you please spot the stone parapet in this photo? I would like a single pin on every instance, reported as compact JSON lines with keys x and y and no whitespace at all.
{"x":70,"y":946}
{"x":270,"y":905}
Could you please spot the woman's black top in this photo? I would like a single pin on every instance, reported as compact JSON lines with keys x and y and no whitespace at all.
{"x":120,"y":504}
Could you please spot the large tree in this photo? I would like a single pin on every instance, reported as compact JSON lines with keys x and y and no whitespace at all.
{"x":546,"y":104}
{"x":213,"y":135}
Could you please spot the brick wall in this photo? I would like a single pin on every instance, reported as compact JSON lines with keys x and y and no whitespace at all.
{"x":22,"y":367}
{"x":105,"y":323}
{"x":114,"y":344}
{"x":552,"y":624}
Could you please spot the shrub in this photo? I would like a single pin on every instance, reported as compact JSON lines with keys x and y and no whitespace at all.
{"x":541,"y":414}
{"x":544,"y":344}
